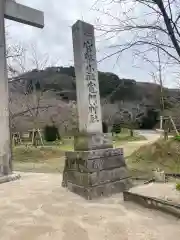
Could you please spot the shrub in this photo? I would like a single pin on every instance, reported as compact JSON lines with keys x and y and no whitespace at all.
{"x":178,"y":186}
{"x":116,"y":128}
{"x":177,"y":138}
{"x":104,"y":127}
{"x":51,"y":133}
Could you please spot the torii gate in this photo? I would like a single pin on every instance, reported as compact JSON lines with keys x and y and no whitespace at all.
{"x":11,"y":10}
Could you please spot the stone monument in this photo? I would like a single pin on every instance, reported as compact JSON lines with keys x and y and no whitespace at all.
{"x":94,"y":168}
{"x":13,"y":11}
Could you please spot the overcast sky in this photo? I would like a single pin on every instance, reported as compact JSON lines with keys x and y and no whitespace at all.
{"x":56,"y":40}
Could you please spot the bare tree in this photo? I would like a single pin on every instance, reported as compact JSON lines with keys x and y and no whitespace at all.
{"x":13,"y":51}
{"x":159,"y":75}
{"x":64,"y":116}
{"x":115,"y":112}
{"x":110,"y":113}
{"x":27,"y":91}
{"x":49,"y":110}
{"x":130,"y":115}
{"x":148,"y":28}
{"x":142,"y":26}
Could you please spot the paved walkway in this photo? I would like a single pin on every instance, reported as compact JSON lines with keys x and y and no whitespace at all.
{"x":150,"y":135}
{"x":130,"y":147}
{"x":37,"y":208}
{"x":164,"y":191}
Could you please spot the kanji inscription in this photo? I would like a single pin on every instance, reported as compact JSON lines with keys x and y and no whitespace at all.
{"x":91,"y":78}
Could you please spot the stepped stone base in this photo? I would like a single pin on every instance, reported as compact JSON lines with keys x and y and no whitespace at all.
{"x":93,"y":141}
{"x":96,"y":173}
{"x":102,"y":190}
{"x":9,"y":178}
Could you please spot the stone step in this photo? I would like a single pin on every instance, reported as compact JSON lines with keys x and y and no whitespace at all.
{"x":9,"y":178}
{"x":102,"y":190}
{"x":96,"y":178}
{"x":92,"y":161}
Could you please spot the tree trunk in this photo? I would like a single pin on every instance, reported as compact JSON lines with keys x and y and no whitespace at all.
{"x":131,"y":132}
{"x":169,"y":27}
{"x":165,"y":135}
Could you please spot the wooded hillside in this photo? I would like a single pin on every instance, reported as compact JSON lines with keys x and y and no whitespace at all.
{"x":49,"y":95}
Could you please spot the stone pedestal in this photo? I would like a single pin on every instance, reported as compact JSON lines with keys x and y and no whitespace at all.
{"x":92,"y":141}
{"x":9,"y":178}
{"x":96,"y":173}
{"x":94,"y":169}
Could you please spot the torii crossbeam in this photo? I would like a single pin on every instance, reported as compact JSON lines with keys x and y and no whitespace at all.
{"x":11,"y":10}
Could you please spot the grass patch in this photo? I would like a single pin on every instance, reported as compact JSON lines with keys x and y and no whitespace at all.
{"x":32,"y":154}
{"x":124,"y":136}
{"x":177,"y":138}
{"x":178,"y":186}
{"x":47,"y":158}
{"x":40,"y":159}
{"x":55,"y":165}
{"x":161,"y":154}
{"x":50,"y":157}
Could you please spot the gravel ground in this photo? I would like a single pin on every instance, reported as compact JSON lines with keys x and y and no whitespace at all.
{"x":38,"y":208}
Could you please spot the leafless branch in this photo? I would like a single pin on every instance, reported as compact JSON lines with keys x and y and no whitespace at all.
{"x":157,"y":26}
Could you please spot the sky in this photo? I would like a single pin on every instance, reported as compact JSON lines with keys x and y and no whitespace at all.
{"x":56,"y":39}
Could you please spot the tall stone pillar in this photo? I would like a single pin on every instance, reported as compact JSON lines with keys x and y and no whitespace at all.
{"x":87,"y":90}
{"x":95,"y":168}
{"x":11,"y":10}
{"x":5,"y":148}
